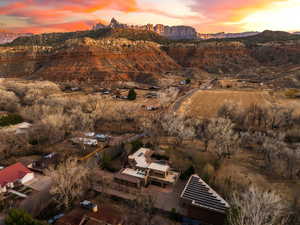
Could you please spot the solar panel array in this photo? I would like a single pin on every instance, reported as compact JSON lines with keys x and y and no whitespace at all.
{"x":201,"y":194}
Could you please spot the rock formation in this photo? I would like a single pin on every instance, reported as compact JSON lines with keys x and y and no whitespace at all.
{"x":171,"y":32}
{"x":121,"y":54}
{"x":7,"y":37}
{"x":176,"y":32}
{"x":226,"y":35}
{"x":235,"y":56}
{"x":86,"y":59}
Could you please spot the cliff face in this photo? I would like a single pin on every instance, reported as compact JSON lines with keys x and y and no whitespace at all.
{"x":170,"y":32}
{"x":214,"y":57}
{"x":87,"y":59}
{"x":108,"y":55}
{"x":226,"y":35}
{"x":234,"y":57}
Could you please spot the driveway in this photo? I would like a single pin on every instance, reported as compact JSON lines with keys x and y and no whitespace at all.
{"x":40,"y":199}
{"x":39,"y":183}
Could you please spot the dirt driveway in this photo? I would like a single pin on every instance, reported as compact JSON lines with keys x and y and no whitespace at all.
{"x":39,"y":200}
{"x":39,"y":182}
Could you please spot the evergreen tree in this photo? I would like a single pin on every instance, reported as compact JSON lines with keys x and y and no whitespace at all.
{"x":132,"y":94}
{"x":19,"y":217}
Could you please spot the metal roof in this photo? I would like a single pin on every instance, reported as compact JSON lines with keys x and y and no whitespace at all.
{"x":159,"y":167}
{"x":202,"y":195}
{"x":140,"y":157}
{"x":13,"y":173}
{"x":135,"y":173}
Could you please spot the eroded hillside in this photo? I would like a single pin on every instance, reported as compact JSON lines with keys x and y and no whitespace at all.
{"x":142,"y":56}
{"x":87,"y":59}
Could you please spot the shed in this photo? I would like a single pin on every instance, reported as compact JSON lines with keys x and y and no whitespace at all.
{"x":203,"y":203}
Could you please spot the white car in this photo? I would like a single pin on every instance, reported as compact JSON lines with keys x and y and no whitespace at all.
{"x":85,"y":141}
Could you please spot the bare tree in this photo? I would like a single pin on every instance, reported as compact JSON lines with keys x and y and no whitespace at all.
{"x":167,"y":96}
{"x":281,"y":158}
{"x":257,"y":207}
{"x":143,"y":210}
{"x":9,"y":101}
{"x":70,"y":179}
{"x":279,"y":117}
{"x":226,"y":140}
{"x":12,"y":144}
{"x":178,"y":126}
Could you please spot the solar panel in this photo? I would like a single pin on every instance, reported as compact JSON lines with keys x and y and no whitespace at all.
{"x":199,"y":193}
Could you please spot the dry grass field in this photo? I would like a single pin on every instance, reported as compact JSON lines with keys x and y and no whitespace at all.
{"x":206,"y":103}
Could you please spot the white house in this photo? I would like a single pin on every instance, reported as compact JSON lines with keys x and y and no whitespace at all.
{"x":14,"y":174}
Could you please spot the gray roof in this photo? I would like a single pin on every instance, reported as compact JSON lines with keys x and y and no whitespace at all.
{"x":202,"y":195}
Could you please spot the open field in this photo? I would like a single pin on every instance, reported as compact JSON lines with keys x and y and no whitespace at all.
{"x":206,"y":103}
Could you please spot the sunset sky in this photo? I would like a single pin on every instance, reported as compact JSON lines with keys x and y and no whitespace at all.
{"x":207,"y":16}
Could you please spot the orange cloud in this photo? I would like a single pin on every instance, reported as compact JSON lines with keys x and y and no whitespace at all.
{"x":61,"y":27}
{"x":10,"y":8}
{"x":41,"y":13}
{"x":95,"y":5}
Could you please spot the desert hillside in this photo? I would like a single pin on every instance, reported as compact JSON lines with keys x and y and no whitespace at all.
{"x":143,"y":56}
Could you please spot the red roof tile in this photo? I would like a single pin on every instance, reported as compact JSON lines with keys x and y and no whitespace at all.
{"x":13,"y":173}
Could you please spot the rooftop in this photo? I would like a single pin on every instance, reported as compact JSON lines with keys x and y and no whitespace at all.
{"x":202,"y":195}
{"x":134,"y":173}
{"x":106,"y":214}
{"x":140,"y":157}
{"x":13,"y":173}
{"x":124,"y":176}
{"x":159,"y":167}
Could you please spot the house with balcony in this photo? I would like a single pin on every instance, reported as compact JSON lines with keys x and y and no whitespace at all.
{"x":143,"y":170}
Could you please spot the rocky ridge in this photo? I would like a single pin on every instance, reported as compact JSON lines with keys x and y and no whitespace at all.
{"x":87,"y":59}
{"x":171,"y":32}
{"x":226,"y":35}
{"x":7,"y":37}
{"x":142,"y":56}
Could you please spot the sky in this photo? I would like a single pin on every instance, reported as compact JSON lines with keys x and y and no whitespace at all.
{"x":207,"y":16}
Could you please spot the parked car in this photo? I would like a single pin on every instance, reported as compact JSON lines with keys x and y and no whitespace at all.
{"x":89,"y":134}
{"x":55,"y":218}
{"x":85,"y":141}
{"x":152,"y":108}
{"x":89,"y":205}
{"x":101,"y":137}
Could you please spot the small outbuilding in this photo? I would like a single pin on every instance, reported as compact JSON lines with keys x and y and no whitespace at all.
{"x":203,"y":203}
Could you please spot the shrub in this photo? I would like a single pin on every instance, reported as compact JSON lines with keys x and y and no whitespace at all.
{"x":291,"y":93}
{"x":8,"y":101}
{"x":10,"y":119}
{"x":131,"y":94}
{"x":17,"y":216}
{"x":136,"y":145}
{"x":186,"y":174}
{"x":174,"y":215}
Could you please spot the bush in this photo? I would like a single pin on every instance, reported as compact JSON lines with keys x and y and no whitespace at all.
{"x":186,"y":174}
{"x":136,"y":145}
{"x":291,"y":93}
{"x":17,"y":216}
{"x":10,"y":119}
{"x":160,"y":157}
{"x":174,"y":215}
{"x":131,"y":94}
{"x":9,"y":101}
